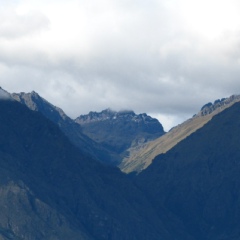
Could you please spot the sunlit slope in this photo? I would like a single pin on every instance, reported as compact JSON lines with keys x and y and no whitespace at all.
{"x":142,"y":156}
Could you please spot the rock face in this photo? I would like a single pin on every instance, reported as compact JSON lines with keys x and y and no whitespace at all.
{"x":141,"y":157}
{"x":49,"y":189}
{"x":217,"y":105}
{"x":36,"y":103}
{"x":198,"y":179}
{"x":117,"y":131}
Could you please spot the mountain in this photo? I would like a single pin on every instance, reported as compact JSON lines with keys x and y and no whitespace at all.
{"x":49,"y":189}
{"x":141,"y":157}
{"x":117,"y":131}
{"x":198,"y":181}
{"x":72,"y":130}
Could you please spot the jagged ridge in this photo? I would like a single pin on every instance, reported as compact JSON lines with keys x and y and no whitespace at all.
{"x":109,"y":114}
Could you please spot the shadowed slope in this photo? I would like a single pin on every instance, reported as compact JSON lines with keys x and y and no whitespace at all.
{"x":72,"y":130}
{"x":60,"y":193}
{"x":198,"y":179}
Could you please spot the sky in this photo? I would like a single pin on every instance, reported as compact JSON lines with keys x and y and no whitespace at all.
{"x":166,"y":58}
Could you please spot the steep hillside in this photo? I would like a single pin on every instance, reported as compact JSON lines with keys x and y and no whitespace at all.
{"x":117,"y":131}
{"x":72,"y":130}
{"x":141,"y":157}
{"x":49,"y":189}
{"x":198,"y":179}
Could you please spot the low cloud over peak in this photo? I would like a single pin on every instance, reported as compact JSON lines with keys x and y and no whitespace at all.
{"x":5,"y":95}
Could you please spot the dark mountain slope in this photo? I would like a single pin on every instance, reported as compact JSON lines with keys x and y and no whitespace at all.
{"x":198,"y":179}
{"x":24,"y":216}
{"x":72,"y":130}
{"x":51,"y":190}
{"x":117,"y":131}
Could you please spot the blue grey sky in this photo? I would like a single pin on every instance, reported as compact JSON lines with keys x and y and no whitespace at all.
{"x":163,"y":57}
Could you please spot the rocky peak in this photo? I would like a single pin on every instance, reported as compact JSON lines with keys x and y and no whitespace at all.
{"x":104,"y":115}
{"x":36,"y":103}
{"x":117,"y":131}
{"x":27,"y":98}
{"x":110,"y":115}
{"x":218,"y":104}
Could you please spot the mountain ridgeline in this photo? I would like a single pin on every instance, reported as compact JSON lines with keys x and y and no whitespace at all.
{"x":57,"y":180}
{"x":72,"y":130}
{"x":106,"y":136}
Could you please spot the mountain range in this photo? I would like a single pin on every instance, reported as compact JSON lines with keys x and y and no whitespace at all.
{"x":59,"y":177}
{"x":51,"y":190}
{"x":106,"y":136}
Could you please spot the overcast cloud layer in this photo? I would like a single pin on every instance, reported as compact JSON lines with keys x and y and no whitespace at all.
{"x":163,"y":57}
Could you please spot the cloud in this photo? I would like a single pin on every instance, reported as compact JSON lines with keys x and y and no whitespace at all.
{"x":14,"y":25}
{"x":5,"y":95}
{"x":158,"y":57}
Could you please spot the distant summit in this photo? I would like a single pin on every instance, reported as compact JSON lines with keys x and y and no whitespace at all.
{"x":147,"y":123}
{"x":103,"y":115}
{"x":117,"y":131}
